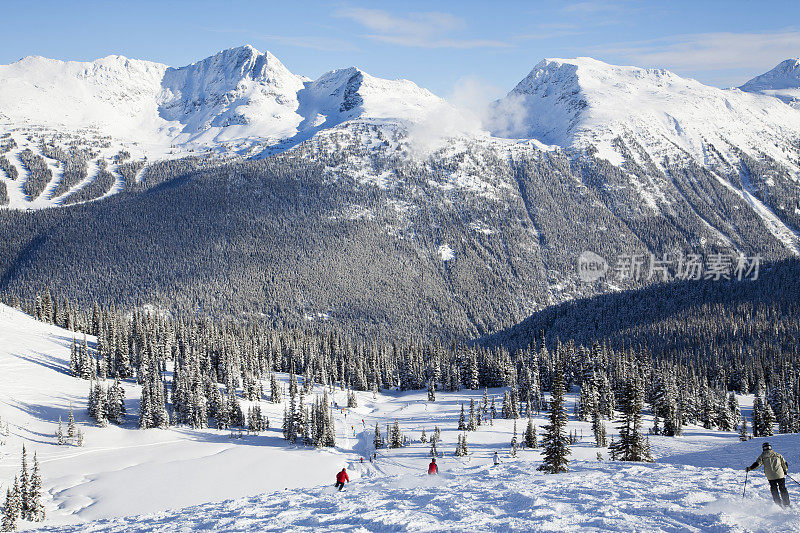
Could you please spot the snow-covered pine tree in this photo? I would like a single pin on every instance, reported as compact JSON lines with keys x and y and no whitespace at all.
{"x":758,"y":423}
{"x":471,"y":423}
{"x":60,"y":433}
{"x":530,"y":435}
{"x":631,"y":444}
{"x":458,"y":452}
{"x":462,"y":423}
{"x":768,"y":421}
{"x":352,"y":401}
{"x":431,"y":392}
{"x":115,"y":402}
{"x":396,"y":438}
{"x":74,"y":361}
{"x":733,"y":408}
{"x":274,"y":390}
{"x":36,"y":511}
{"x":743,"y":429}
{"x":24,"y":487}
{"x":145,"y":408}
{"x":377,"y":440}
{"x":434,"y":452}
{"x":555,"y":442}
{"x":100,"y":404}
{"x":599,"y":430}
{"x":423,"y":437}
{"x":87,"y":370}
{"x":9,"y":522}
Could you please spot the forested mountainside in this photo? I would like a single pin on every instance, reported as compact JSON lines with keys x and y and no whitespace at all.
{"x":684,"y":319}
{"x":355,"y":234}
{"x":242,"y":189}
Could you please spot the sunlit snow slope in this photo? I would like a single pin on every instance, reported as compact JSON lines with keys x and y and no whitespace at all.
{"x":584,"y":102}
{"x":269,"y":485}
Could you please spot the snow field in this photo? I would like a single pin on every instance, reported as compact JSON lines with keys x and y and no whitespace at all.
{"x":183,"y":480}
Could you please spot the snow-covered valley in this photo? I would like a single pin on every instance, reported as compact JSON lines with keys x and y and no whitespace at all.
{"x":183,"y":479}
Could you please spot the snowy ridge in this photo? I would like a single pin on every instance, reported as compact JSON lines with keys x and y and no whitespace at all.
{"x":583,"y":102}
{"x":236,"y":94}
{"x":781,"y":82}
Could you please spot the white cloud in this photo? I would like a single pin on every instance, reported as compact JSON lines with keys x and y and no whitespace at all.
{"x":471,"y":110}
{"x":423,"y":30}
{"x":709,"y":52}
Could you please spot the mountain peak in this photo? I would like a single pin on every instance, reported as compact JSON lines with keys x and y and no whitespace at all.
{"x":584,"y":102}
{"x":782,"y":82}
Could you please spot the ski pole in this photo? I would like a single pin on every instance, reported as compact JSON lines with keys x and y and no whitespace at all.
{"x":745,"y":482}
{"x":793,"y":479}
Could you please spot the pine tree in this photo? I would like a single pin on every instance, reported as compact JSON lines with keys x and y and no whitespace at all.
{"x":71,"y":423}
{"x":758,"y":423}
{"x":471,"y":423}
{"x":631,"y":444}
{"x":431,"y":391}
{"x":274,"y":391}
{"x":599,"y":430}
{"x":396,"y":438}
{"x":458,"y":452}
{"x":555,"y":443}
{"x":36,"y":511}
{"x":530,"y":435}
{"x":74,"y":361}
{"x":9,"y":522}
{"x":462,"y":423}
{"x":743,"y":428}
{"x":377,"y":440}
{"x":767,"y":421}
{"x":24,"y":487}
{"x":423,"y":437}
{"x":434,"y":452}
{"x":60,"y":433}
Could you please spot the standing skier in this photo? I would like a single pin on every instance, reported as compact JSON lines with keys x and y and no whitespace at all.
{"x":432,"y":468}
{"x":496,"y":459}
{"x":775,"y":468}
{"x":341,"y":479}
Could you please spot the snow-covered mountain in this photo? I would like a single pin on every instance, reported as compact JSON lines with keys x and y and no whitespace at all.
{"x":239,"y":93}
{"x":583,"y":102}
{"x":782,"y":82}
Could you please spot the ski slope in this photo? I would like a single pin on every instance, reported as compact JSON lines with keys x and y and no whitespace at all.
{"x":125,"y":479}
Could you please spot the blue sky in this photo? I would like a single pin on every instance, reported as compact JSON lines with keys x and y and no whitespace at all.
{"x":435,"y":44}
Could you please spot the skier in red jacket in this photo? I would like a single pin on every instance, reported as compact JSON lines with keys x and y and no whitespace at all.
{"x":341,"y":478}
{"x":432,"y":468}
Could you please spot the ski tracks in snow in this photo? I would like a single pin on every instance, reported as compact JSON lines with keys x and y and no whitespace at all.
{"x":592,"y":497}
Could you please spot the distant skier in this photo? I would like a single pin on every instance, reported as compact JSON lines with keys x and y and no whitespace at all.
{"x":341,"y":479}
{"x":775,"y":468}
{"x":496,"y":459}
{"x":433,"y":468}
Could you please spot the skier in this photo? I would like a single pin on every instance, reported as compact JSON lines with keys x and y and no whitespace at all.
{"x":432,"y":468}
{"x":341,"y":478}
{"x":496,"y":459}
{"x":775,"y":468}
